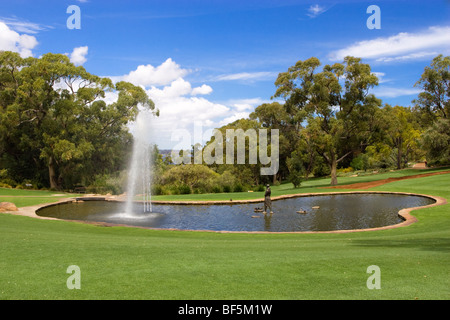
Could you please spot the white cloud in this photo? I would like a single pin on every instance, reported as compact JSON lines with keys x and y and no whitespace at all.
{"x":389,"y":92}
{"x":252,"y":76}
{"x":182,"y":106}
{"x":250,"y":104}
{"x":148,"y":75}
{"x":204,"y":89}
{"x":177,"y":88}
{"x":401,"y":46}
{"x":179,"y":104}
{"x":415,"y":55}
{"x":24,"y":26}
{"x":181,"y":113}
{"x":10,"y":40}
{"x":78,"y":55}
{"x":315,"y":10}
{"x":234,"y":117}
{"x":381,"y":77}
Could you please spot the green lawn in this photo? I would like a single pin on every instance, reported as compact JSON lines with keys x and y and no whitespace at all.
{"x":23,"y":198}
{"x":130,"y":263}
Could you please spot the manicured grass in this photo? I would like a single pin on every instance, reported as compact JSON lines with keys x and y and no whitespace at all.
{"x":131,"y":263}
{"x":308,"y":186}
{"x":23,"y":198}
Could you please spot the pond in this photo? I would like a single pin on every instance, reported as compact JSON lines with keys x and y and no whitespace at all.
{"x":319,"y":213}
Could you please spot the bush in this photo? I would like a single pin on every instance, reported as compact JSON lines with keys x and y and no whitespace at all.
{"x":226,"y":189}
{"x":321,"y":169}
{"x":259,"y":188}
{"x":10,"y":182}
{"x":296,"y":177}
{"x":361,"y":162}
{"x":345,"y":170}
{"x":105,"y":183}
{"x":184,"y":189}
{"x":238,"y":188}
{"x":5,"y":185}
{"x":157,"y":190}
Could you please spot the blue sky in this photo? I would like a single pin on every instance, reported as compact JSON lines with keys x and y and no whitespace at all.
{"x":212,"y":62}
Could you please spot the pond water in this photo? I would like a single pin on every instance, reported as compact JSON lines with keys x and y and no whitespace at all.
{"x":330,"y":212}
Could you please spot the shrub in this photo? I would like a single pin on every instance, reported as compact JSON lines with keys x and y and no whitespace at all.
{"x":157,"y":190}
{"x":296,"y":177}
{"x":345,"y":170}
{"x":105,"y":183}
{"x":259,"y":188}
{"x":184,"y":189}
{"x":5,"y":185}
{"x":10,"y":182}
{"x":361,"y":162}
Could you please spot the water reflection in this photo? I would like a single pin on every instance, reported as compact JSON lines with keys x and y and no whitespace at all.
{"x":322,"y":213}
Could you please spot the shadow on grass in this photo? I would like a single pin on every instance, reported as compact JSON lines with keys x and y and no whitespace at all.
{"x":430,"y":244}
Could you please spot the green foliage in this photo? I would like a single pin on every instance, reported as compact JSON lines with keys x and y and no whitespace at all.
{"x":434,"y":108}
{"x":259,"y":188}
{"x":238,"y":188}
{"x":295,"y":177}
{"x":340,"y":117}
{"x":361,"y":162}
{"x":53,"y":116}
{"x":296,"y":168}
{"x":158,"y":190}
{"x":435,"y":83}
{"x":106,"y":183}
{"x":436,"y":142}
{"x":184,"y":189}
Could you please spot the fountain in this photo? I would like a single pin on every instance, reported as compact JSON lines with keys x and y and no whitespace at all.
{"x":139,"y":173}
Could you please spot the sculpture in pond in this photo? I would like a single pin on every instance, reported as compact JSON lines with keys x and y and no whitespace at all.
{"x":267,"y":200}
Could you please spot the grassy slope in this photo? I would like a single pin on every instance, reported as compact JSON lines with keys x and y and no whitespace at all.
{"x":128,"y":263}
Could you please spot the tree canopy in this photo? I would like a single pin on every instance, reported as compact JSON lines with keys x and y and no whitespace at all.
{"x":56,"y":127}
{"x":58,"y":131}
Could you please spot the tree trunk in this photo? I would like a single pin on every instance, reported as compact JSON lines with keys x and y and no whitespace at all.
{"x":52,"y":174}
{"x":333,"y":167}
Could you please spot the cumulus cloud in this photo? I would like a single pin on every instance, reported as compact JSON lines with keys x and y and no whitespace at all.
{"x":183,"y":106}
{"x":78,"y":55}
{"x":402,"y":46}
{"x":10,"y":40}
{"x":148,"y":75}
{"x":204,"y":89}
